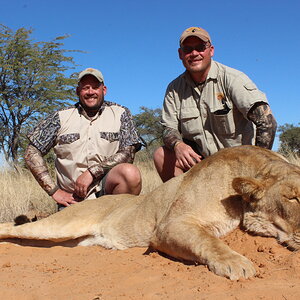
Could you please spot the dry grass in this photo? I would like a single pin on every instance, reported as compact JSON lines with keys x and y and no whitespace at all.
{"x":293,"y":158}
{"x":150,"y":177}
{"x":21,"y":194}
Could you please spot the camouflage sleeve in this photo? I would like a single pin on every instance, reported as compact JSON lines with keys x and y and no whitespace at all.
{"x":128,"y":133}
{"x":43,"y":136}
{"x":125,"y":155}
{"x":38,"y":168}
{"x":170,"y":137}
{"x":261,"y":115}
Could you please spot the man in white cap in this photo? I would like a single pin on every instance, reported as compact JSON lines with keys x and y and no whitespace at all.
{"x":209,"y":107}
{"x":94,"y":141}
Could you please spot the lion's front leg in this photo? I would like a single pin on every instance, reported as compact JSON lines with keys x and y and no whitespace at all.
{"x":185,"y":239}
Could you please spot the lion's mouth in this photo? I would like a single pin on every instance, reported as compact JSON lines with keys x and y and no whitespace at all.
{"x":290,"y":241}
{"x":291,"y":245}
{"x":294,"y":242}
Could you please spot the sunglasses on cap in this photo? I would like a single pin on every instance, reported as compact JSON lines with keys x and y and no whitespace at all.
{"x":199,"y":48}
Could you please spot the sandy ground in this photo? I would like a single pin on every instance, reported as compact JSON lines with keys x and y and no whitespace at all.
{"x":96,"y":273}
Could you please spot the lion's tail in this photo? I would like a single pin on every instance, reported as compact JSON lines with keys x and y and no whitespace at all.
{"x":56,"y":228}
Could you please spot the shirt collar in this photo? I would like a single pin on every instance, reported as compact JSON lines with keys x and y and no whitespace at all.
{"x":213,"y":71}
{"x":83,"y":112}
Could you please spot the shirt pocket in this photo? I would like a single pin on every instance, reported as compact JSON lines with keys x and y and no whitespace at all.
{"x":67,"y":145}
{"x":68,"y":138}
{"x":189,"y":120}
{"x":110,"y":136}
{"x":223,"y":121}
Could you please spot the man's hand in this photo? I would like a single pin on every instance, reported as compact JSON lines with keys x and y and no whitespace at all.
{"x":64,"y":198}
{"x":82,"y":184}
{"x":186,"y":157}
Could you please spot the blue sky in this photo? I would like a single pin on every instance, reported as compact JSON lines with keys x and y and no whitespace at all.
{"x":134,"y":43}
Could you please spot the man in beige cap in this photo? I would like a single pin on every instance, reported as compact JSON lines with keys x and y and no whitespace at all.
{"x":209,"y":107}
{"x":95,"y":142}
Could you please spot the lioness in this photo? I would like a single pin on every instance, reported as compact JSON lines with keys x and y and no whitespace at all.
{"x":247,"y":186}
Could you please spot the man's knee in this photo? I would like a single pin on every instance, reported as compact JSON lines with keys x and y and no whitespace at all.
{"x":159,"y":156}
{"x":129,"y":172}
{"x":163,"y":156}
{"x":165,"y":163}
{"x":124,"y":178}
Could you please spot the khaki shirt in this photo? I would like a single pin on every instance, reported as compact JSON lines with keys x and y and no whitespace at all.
{"x":80,"y":143}
{"x":213,"y":115}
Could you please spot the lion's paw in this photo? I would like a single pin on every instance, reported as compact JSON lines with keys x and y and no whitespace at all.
{"x":234,"y":267}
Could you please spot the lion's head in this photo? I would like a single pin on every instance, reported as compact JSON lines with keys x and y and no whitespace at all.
{"x":272,"y":205}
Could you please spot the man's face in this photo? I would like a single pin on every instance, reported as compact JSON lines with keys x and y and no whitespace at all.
{"x":196,"y":61}
{"x":91,"y":93}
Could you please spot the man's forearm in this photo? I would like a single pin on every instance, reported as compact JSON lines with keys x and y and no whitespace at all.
{"x":261,"y":115}
{"x":125,"y":155}
{"x":39,"y":170}
{"x":170,"y":137}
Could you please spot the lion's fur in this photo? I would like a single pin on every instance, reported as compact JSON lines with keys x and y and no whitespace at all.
{"x":243,"y":186}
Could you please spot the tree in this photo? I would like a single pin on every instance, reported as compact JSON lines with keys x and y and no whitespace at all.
{"x":148,"y":125}
{"x":32,"y":84}
{"x":289,"y":139}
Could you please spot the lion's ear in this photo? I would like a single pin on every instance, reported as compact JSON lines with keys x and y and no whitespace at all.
{"x":249,"y":188}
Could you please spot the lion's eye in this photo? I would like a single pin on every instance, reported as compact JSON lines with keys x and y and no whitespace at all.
{"x":295,"y":199}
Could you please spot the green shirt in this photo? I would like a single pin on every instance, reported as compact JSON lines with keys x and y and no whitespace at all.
{"x":214,"y":114}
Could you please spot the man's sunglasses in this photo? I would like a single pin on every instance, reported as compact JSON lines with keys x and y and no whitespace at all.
{"x":199,"y":48}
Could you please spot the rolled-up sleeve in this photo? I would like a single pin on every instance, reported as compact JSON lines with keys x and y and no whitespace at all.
{"x":244,"y":94}
{"x":169,"y":112}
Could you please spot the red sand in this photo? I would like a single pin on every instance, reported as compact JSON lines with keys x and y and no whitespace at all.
{"x":97,"y":273}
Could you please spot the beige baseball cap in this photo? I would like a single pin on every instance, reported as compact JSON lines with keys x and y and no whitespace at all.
{"x":195,"y":31}
{"x":90,"y":71}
